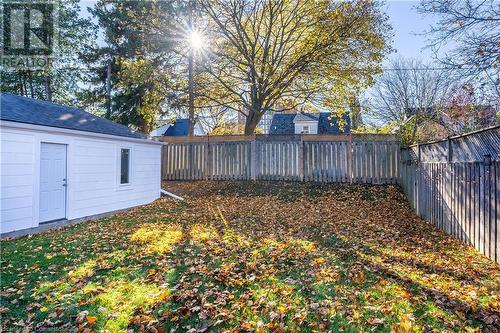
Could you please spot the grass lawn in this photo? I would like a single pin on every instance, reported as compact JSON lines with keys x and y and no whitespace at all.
{"x":242,"y":256}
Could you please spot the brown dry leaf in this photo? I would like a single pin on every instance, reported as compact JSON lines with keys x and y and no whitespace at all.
{"x":253,"y":256}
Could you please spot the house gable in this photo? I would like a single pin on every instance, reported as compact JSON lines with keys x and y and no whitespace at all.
{"x":319,"y":123}
{"x":179,"y":128}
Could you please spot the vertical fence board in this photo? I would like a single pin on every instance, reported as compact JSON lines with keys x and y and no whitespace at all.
{"x":496,"y":216}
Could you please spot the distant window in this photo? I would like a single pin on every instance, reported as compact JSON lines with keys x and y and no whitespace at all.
{"x":125,"y":166}
{"x":305,"y":130}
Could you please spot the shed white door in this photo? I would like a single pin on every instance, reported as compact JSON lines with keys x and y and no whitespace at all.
{"x":52,"y":182}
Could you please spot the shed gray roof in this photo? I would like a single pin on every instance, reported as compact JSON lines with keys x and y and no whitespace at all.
{"x":32,"y":111}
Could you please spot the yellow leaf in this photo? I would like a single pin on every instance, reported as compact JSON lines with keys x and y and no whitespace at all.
{"x":163,"y":295}
{"x":281,"y":309}
{"x":247,"y":326}
{"x":405,"y":323}
{"x":91,"y":320}
{"x":356,"y":314}
{"x":319,"y":261}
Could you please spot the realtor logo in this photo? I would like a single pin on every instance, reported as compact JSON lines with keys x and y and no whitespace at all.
{"x":28,"y":34}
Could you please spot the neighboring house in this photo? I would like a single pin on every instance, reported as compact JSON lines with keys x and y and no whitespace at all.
{"x":308,"y":123}
{"x":264,"y":123}
{"x":180,"y":127}
{"x":59,"y":163}
{"x":159,"y":131}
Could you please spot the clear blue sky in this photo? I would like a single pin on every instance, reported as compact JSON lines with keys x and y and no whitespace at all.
{"x":406,"y":23}
{"x":408,"y":26}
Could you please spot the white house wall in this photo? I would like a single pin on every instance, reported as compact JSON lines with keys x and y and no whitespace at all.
{"x":313,"y":126}
{"x":16,"y":180}
{"x":92,"y":175}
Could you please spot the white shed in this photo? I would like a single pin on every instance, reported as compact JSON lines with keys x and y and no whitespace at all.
{"x":60,"y":164}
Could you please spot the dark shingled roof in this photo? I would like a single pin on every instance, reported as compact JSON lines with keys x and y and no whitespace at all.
{"x":32,"y":111}
{"x":282,"y":123}
{"x":179,"y":128}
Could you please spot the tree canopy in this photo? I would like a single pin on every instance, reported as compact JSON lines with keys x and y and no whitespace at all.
{"x":140,"y":48}
{"x":58,"y":81}
{"x":292,"y":53}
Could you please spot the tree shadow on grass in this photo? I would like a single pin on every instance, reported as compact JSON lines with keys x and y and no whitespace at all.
{"x":282,"y":191}
{"x":230,"y":280}
{"x":240,"y":269}
{"x":86,"y":270}
{"x":353,"y":257}
{"x":450,"y":303}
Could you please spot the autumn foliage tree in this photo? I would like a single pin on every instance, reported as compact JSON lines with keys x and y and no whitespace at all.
{"x":292,"y":53}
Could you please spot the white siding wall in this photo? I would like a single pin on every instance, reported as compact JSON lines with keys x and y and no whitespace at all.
{"x":16,"y":180}
{"x":93,"y":175}
{"x":313,"y":126}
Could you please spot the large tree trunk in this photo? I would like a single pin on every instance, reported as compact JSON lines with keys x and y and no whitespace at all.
{"x":191,"y":75}
{"x":30,"y":78}
{"x":108,"y":89}
{"x":252,"y":121}
{"x":145,"y":127}
{"x":191,"y":93}
{"x":415,"y":126}
{"x":48,"y":88}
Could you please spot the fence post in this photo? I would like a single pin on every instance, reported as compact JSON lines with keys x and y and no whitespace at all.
{"x":253,"y":158}
{"x":450,"y":150}
{"x":210,"y":166}
{"x":350,"y":159}
{"x":207,"y":170}
{"x":190,"y":164}
{"x":163,"y":163}
{"x":487,"y":161}
{"x":301,"y":159}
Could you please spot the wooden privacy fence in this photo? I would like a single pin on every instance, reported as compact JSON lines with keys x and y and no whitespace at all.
{"x":454,"y":184}
{"x":322,"y":158}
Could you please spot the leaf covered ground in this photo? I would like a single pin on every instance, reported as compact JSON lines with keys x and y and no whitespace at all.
{"x":251,"y":257}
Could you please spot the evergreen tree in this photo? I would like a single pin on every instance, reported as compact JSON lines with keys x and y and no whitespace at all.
{"x":58,"y":82}
{"x":141,"y":48}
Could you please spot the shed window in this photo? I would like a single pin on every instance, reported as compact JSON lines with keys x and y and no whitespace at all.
{"x":305,"y":129}
{"x":125,"y":166}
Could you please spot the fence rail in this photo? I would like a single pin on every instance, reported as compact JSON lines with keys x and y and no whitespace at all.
{"x":322,"y":158}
